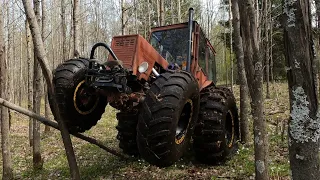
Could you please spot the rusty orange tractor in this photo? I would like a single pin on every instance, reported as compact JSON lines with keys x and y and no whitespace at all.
{"x":164,"y":90}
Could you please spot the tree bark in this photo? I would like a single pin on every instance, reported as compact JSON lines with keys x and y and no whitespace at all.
{"x":64,"y":31}
{"x":43,"y":35}
{"x":30,"y":77}
{"x":172,"y":11}
{"x":8,"y":55}
{"x":76,"y":34}
{"x":244,"y":98}
{"x":39,"y":47}
{"x":21,"y":90}
{"x":254,"y":71}
{"x":122,"y":18}
{"x":304,"y":120}
{"x":161,"y":15}
{"x":7,"y":172}
{"x":37,"y":160}
{"x":158,"y":13}
{"x":271,"y":49}
{"x":231,"y":46}
{"x":317,"y":3}
{"x":179,"y":10}
{"x":267,"y":43}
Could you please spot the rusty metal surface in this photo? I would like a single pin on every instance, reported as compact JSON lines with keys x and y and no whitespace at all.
{"x":125,"y":102}
{"x":132,"y":50}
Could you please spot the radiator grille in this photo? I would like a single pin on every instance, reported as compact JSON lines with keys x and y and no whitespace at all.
{"x":124,"y":48}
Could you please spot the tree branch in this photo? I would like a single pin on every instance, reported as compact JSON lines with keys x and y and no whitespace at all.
{"x":55,"y":125}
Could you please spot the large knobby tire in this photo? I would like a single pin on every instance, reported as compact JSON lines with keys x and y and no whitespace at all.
{"x":167,"y":118}
{"x":217,"y":130}
{"x":127,"y":132}
{"x":80,"y":107}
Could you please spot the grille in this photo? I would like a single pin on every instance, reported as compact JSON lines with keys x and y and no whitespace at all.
{"x":124,"y":48}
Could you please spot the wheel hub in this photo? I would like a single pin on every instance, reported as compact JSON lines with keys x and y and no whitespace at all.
{"x":84,"y":99}
{"x":229,"y":129}
{"x":183,"y":122}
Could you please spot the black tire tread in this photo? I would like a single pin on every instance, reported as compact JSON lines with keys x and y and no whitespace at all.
{"x":209,"y":130}
{"x":65,"y":77}
{"x":127,"y":132}
{"x":154,"y":122}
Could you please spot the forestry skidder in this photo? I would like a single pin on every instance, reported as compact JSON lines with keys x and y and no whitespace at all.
{"x":164,"y":90}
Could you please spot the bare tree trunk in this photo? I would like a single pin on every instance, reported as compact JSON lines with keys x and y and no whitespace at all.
{"x":254,"y":71}
{"x":37,"y":160}
{"x":7,"y":172}
{"x":136,"y":29}
{"x":172,"y":11}
{"x":179,"y":10}
{"x":13,"y":65}
{"x":162,"y":20}
{"x":225,"y":52}
{"x":8,"y":55}
{"x":39,"y":47}
{"x":267,"y":55}
{"x":20,"y":67}
{"x":44,"y":32}
{"x":244,"y":98}
{"x":64,"y":31}
{"x":76,"y":40}
{"x":158,"y":13}
{"x":30,"y":83}
{"x":317,"y":3}
{"x":231,"y":47}
{"x":271,"y":48}
{"x":304,"y":120}
{"x":122,"y":18}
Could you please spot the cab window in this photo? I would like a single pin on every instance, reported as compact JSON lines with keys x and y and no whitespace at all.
{"x":202,"y":53}
{"x":211,"y":65}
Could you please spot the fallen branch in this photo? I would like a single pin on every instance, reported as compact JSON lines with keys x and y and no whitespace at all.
{"x":55,"y":125}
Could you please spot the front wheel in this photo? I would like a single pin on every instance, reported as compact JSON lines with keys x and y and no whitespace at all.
{"x":167,"y":117}
{"x":79,"y":105}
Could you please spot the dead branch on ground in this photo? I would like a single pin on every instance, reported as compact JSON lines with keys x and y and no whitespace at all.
{"x":55,"y":125}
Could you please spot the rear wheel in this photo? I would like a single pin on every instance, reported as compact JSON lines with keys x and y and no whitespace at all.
{"x":127,"y":132}
{"x":79,"y":105}
{"x":167,"y":117}
{"x":217,"y":130}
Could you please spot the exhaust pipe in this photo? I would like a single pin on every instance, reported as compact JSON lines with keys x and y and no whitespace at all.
{"x":190,"y":26}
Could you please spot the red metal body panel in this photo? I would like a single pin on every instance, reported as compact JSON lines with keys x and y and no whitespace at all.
{"x":132,"y":50}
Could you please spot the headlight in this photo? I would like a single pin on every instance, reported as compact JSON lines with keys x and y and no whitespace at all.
{"x":143,"y":67}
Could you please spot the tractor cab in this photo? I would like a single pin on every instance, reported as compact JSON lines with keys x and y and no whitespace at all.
{"x":171,"y":42}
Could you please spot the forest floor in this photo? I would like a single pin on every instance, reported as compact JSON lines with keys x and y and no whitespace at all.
{"x":95,"y":163}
